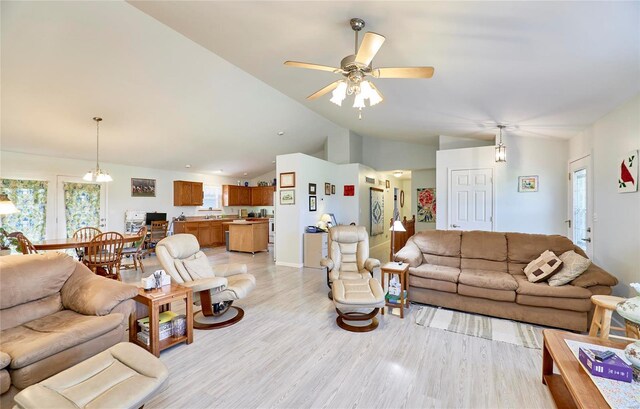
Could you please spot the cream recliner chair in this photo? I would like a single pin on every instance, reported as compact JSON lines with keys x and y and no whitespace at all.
{"x":215,"y":288}
{"x":349,"y":255}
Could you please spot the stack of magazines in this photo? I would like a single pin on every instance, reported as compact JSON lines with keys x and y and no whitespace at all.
{"x":165,"y":327}
{"x":395,"y":299}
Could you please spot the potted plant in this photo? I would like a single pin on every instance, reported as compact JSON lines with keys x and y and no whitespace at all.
{"x":6,"y":241}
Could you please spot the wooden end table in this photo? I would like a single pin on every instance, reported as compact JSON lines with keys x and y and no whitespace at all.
{"x":572,"y":388}
{"x":401,"y":270}
{"x":150,"y":303}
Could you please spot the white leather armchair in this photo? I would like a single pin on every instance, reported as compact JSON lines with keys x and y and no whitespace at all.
{"x":349,"y":255}
{"x":215,"y":288}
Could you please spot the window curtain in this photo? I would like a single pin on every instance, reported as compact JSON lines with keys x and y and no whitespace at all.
{"x":30,"y":197}
{"x":81,"y":206}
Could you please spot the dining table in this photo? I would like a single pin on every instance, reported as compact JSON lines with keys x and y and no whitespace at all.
{"x":73,"y":243}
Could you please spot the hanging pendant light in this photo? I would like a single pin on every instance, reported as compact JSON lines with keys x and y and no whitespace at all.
{"x":501,"y":150}
{"x":97,"y":174}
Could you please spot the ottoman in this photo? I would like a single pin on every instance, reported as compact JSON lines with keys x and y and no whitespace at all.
{"x":123,"y":376}
{"x":357,"y":300}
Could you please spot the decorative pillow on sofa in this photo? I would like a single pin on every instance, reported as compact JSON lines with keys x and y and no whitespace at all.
{"x":543,"y":267}
{"x":573,"y":265}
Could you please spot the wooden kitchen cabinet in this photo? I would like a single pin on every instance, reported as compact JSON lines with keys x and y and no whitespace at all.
{"x":216,"y":234}
{"x":205,"y":234}
{"x":208,"y":232}
{"x":247,"y":196}
{"x":244,"y":196}
{"x":187,"y":193}
{"x":262,"y":195}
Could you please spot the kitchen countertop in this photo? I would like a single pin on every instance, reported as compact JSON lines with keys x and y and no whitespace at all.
{"x":222,"y":219}
{"x":245,"y":222}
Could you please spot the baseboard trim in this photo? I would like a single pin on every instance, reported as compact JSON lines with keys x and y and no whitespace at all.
{"x":294,"y":265}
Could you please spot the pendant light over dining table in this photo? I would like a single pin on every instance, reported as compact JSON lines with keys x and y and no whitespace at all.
{"x":97,"y":174}
{"x":501,"y":150}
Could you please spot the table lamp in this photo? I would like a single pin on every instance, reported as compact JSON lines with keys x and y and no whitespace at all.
{"x":325,"y":222}
{"x":6,"y":206}
{"x":630,"y":311}
{"x":396,"y":226}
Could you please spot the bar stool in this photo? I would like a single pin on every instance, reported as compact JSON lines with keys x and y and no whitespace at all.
{"x":605,"y":305}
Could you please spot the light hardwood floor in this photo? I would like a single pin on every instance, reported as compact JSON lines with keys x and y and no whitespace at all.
{"x":288,"y":352}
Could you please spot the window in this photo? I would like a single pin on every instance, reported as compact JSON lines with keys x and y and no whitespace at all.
{"x":30,"y":197}
{"x":212,"y":197}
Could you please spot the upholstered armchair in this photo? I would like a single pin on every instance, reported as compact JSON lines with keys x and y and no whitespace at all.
{"x":349,"y":255}
{"x":215,"y":288}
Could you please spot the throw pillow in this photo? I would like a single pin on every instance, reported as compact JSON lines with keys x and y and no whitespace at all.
{"x":543,"y":267}
{"x":198,"y":267}
{"x":573,"y":265}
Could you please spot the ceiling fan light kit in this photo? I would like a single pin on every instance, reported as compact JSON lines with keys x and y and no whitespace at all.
{"x":355,"y":68}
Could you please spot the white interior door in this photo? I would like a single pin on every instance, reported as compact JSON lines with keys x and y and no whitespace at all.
{"x":471,"y":199}
{"x":580,"y":222}
{"x":85,"y":210}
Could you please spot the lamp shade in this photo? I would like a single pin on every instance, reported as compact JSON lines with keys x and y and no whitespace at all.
{"x":6,"y":205}
{"x":397,"y":226}
{"x":325,"y":218}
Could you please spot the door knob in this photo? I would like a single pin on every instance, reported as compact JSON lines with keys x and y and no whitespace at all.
{"x":588,"y":240}
{"x":455,"y":226}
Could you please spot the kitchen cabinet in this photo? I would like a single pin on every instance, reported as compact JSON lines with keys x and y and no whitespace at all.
{"x":208,"y":232}
{"x":244,"y":196}
{"x":205,"y":234}
{"x":236,"y":195}
{"x":249,"y":237}
{"x":187,"y":193}
{"x":262,"y":195}
{"x":216,"y":233}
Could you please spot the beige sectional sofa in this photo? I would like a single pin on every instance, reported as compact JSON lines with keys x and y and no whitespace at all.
{"x":481,"y":272}
{"x":55,"y":313}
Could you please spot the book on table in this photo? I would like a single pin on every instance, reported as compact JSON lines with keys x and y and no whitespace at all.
{"x":163,"y":318}
{"x":395,"y":299}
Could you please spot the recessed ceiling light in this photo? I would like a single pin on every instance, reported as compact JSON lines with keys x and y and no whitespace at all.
{"x":219,"y":171}
{"x":187,"y":166}
{"x":397,"y":174}
{"x":280,"y":133}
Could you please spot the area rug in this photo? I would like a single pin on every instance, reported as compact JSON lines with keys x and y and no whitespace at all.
{"x":481,"y":326}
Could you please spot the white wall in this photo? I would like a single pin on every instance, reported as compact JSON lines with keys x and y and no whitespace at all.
{"x":423,"y":178}
{"x":292,"y":219}
{"x":25,"y":166}
{"x":535,"y":212}
{"x":616,"y":224}
{"x":408,"y":210}
{"x":451,"y":142}
{"x":388,"y":155}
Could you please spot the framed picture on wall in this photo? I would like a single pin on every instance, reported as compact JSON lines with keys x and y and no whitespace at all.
{"x":527,"y":183}
{"x":287,"y":197}
{"x":288,"y":179}
{"x":312,"y":188}
{"x":387,"y":184}
{"x":333,"y":189}
{"x":313,"y":205}
{"x":327,"y":189}
{"x":143,"y":187}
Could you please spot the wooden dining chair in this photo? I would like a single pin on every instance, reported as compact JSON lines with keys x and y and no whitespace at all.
{"x":104,"y":254}
{"x":157,"y":233}
{"x":136,"y":252}
{"x":84,"y":234}
{"x":24,"y":244}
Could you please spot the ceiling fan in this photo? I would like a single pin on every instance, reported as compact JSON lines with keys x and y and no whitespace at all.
{"x":355,"y":68}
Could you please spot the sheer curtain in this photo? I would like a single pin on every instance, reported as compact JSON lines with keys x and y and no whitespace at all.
{"x":30,"y":197}
{"x":81,"y":206}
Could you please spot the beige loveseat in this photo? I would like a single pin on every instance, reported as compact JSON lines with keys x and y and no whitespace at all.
{"x":481,"y":272}
{"x":55,"y":313}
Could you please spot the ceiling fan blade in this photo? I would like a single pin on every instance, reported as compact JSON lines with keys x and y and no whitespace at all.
{"x":312,"y":66}
{"x":324,"y":90}
{"x":404,"y":72}
{"x":369,"y":47}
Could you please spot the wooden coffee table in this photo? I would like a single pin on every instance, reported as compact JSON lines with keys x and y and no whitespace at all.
{"x":572,"y":388}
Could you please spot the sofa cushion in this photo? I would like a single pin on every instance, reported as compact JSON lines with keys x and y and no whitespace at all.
{"x":41,"y":338}
{"x":438,"y":242}
{"x":488,"y":293}
{"x":480,"y":264}
{"x":431,"y":284}
{"x":543,"y":289}
{"x":484,"y":245}
{"x":31,"y":277}
{"x":573,"y":265}
{"x":5,"y":360}
{"x":436,"y":272}
{"x":488,"y":279}
{"x":543,"y":267}
{"x":595,"y":276}
{"x":571,"y":304}
{"x":19,"y":314}
{"x":523,"y":247}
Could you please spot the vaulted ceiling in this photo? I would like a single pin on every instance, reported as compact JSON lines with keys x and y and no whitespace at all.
{"x":203,"y":83}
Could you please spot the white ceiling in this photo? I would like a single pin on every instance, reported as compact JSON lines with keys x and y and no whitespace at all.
{"x":550,"y":68}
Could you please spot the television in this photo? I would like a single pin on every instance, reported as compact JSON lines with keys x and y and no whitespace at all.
{"x":154,"y":217}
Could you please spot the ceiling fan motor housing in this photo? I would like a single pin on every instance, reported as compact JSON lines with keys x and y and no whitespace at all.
{"x":350,"y":64}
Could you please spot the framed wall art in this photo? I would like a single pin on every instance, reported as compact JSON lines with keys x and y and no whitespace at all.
{"x":327,"y":189}
{"x":313,"y":204}
{"x":349,"y":190}
{"x":287,"y":197}
{"x":333,"y":189}
{"x":312,"y":188}
{"x":528,"y":183}
{"x":376,"y":197}
{"x":426,"y":205}
{"x":288,"y":179}
{"x":143,"y":187}
{"x":628,"y":177}
{"x":387,"y":184}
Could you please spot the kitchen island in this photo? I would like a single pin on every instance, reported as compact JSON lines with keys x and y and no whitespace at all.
{"x":248,"y":236}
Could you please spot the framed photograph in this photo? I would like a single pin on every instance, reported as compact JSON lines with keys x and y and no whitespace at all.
{"x":312,"y":188}
{"x":369,"y":180}
{"x":313,"y":206}
{"x":287,"y":197}
{"x":288,"y":179}
{"x":143,"y":187}
{"x":333,"y":189}
{"x":327,"y":189}
{"x":349,"y":190}
{"x":387,"y":184}
{"x":527,"y":183}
